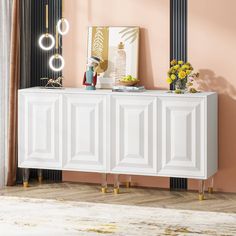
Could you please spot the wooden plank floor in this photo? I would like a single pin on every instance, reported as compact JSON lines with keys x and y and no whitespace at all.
{"x":219,"y":202}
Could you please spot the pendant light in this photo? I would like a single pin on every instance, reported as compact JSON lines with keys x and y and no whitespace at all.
{"x":46,"y":35}
{"x":56,"y":56}
{"x":62,"y":22}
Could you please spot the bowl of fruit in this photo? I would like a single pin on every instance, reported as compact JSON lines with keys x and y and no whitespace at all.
{"x":128,"y":81}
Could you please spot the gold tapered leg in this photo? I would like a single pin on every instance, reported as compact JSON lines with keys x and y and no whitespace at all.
{"x":128,"y":184}
{"x":116,"y":190}
{"x":201,"y":197}
{"x":128,"y":181}
{"x":201,"y":190}
{"x":40,"y":179}
{"x":26,"y":177}
{"x":116,"y":184}
{"x":103,"y":190}
{"x":40,"y":176}
{"x":25,"y":184}
{"x":210,"y":190}
{"x":104,"y":183}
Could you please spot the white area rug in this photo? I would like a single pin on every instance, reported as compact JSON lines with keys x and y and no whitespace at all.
{"x":23,"y":216}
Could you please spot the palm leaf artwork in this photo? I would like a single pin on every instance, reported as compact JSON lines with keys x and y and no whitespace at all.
{"x":98,"y":43}
{"x":129,"y":34}
{"x":100,"y":47}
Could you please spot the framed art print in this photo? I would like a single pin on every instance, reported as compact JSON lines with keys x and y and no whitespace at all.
{"x":117,"y":48}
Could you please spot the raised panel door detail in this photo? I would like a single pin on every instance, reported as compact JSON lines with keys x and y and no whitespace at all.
{"x":85,"y":125}
{"x":181,"y":139}
{"x":39,"y":131}
{"x":133,"y":135}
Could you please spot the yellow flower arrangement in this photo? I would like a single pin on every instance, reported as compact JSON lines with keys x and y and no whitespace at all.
{"x":188,"y":72}
{"x":173,"y":62}
{"x":169,"y":80}
{"x":185,"y":67}
{"x":181,"y":75}
{"x":176,"y":67}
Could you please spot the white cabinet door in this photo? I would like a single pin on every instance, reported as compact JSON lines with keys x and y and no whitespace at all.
{"x":85,"y":128}
{"x":133,"y":135}
{"x":181,"y":139}
{"x":39,"y":130}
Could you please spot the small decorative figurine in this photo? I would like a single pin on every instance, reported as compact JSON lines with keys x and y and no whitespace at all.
{"x":53,"y":83}
{"x":90,"y":76}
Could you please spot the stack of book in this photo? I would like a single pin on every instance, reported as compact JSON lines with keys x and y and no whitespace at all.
{"x":121,"y":88}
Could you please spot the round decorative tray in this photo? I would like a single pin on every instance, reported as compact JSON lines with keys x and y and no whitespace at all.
{"x":128,"y":83}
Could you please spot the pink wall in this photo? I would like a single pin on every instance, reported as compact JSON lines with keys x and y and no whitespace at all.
{"x":151,"y":15}
{"x":212,"y":50}
{"x":153,"y":18}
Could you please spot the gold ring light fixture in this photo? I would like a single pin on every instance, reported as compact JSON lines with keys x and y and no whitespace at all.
{"x":46,"y":35}
{"x":56,"y":56}
{"x":62,"y":28}
{"x":63,"y":24}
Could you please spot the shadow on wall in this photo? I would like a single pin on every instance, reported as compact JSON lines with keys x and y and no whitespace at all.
{"x":145,"y":70}
{"x":209,"y":81}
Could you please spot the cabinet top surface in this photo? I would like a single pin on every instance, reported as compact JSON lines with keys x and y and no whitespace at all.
{"x":109,"y":92}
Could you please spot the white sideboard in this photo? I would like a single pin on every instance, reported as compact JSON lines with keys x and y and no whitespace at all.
{"x":152,"y":133}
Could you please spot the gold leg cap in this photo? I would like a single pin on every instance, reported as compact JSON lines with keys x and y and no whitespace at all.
{"x":210,"y":190}
{"x":201,"y":197}
{"x":104,"y":190}
{"x":128,"y":184}
{"x":25,"y":184}
{"x":116,"y":190}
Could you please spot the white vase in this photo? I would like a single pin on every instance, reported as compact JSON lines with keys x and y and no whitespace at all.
{"x":120,"y":63}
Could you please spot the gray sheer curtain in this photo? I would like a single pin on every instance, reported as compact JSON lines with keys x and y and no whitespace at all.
{"x":5,"y":38}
